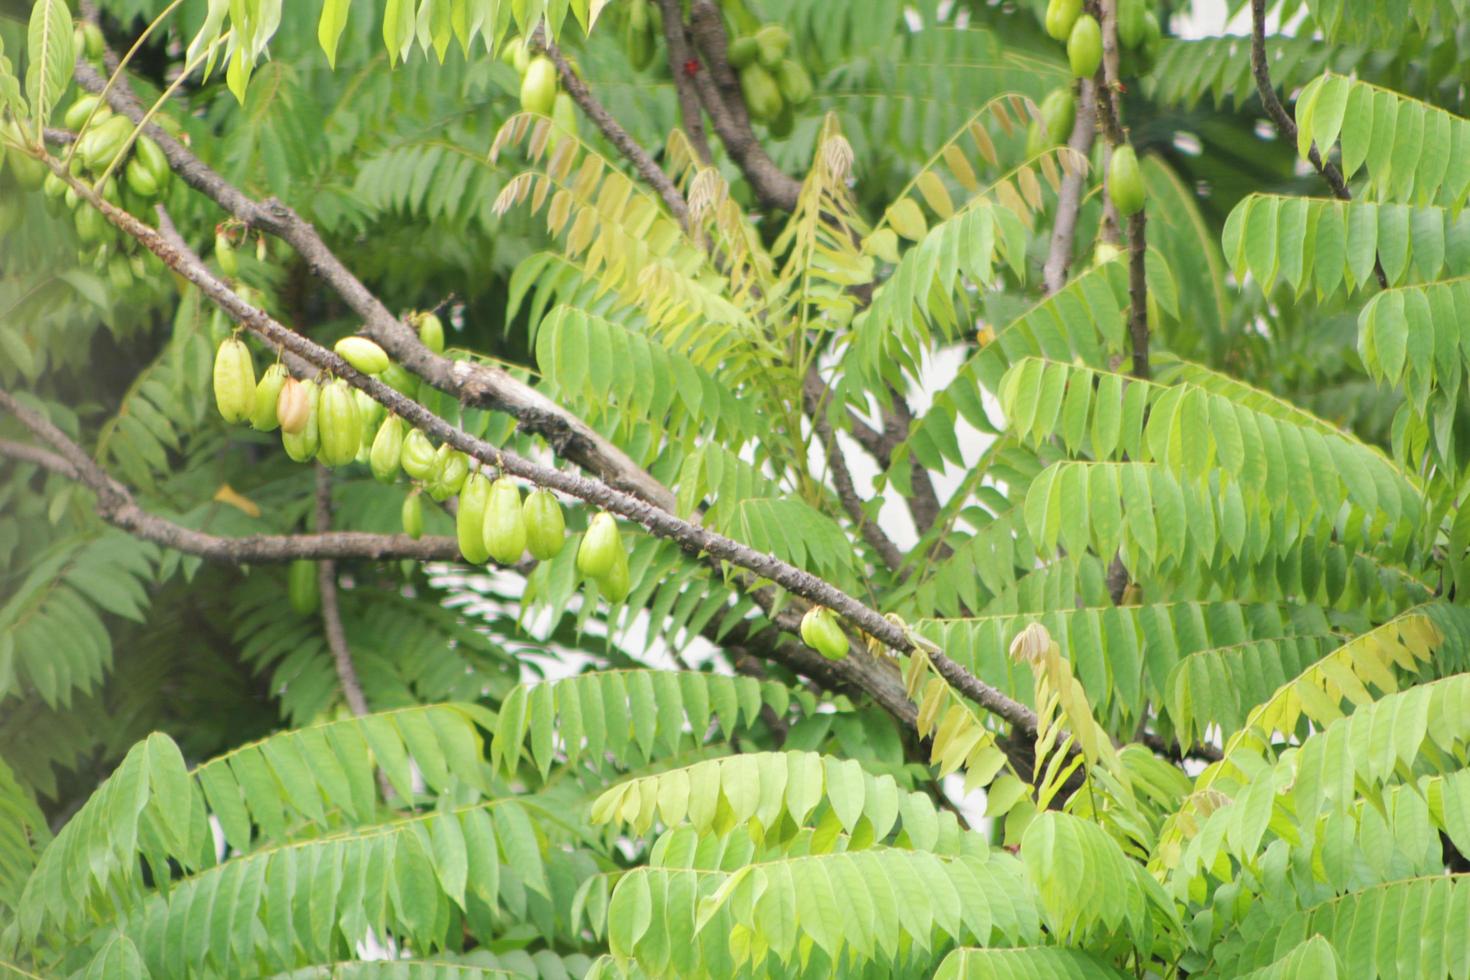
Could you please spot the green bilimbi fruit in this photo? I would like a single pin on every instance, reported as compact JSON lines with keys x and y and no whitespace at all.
{"x":538,"y":87}
{"x":224,"y":254}
{"x":793,"y":81}
{"x":771,"y":42}
{"x":513,"y":53}
{"x":1125,"y":183}
{"x":1130,"y":22}
{"x":417,"y":457}
{"x":292,"y":406}
{"x":431,"y":332}
{"x":301,"y":442}
{"x":387,"y":447}
{"x":1061,"y":15}
{"x":140,"y":181}
{"x":362,"y":354}
{"x":504,"y":527}
{"x":762,"y":94}
{"x":369,"y":415}
{"x":600,"y":546}
{"x":338,"y":424}
{"x":617,"y":583}
{"x":563,"y":118}
{"x":469,"y":521}
{"x":1084,"y":46}
{"x":400,"y":380}
{"x":821,"y":631}
{"x":81,"y":109}
{"x":413,"y":515}
{"x":1058,"y":115}
{"x":451,"y":467}
{"x":267,"y":396}
{"x":302,"y":587}
{"x":234,"y":380}
{"x":27,"y":170}
{"x":638,"y":37}
{"x":101,"y":143}
{"x":741,"y":52}
{"x":546,"y":528}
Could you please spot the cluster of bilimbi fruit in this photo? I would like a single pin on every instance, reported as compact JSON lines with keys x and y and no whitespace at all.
{"x":1140,"y":36}
{"x":337,"y":424}
{"x":540,"y":91}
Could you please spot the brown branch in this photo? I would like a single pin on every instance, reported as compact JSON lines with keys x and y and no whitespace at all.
{"x":1287,"y":125}
{"x":649,"y":171}
{"x":680,"y":56}
{"x":1069,"y":197}
{"x":25,"y":453}
{"x":719,"y":91}
{"x":479,"y":385}
{"x":847,"y":493}
{"x":326,"y":580}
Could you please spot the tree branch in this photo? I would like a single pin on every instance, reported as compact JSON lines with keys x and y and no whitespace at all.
{"x":326,"y":579}
{"x":1287,"y":125}
{"x":847,"y":492}
{"x":1069,"y":197}
{"x":719,"y":91}
{"x":680,"y":56}
{"x":649,"y":171}
{"x":479,"y":385}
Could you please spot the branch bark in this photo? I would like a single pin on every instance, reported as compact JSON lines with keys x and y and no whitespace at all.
{"x":326,"y":579}
{"x":680,"y":57}
{"x":1069,"y":197}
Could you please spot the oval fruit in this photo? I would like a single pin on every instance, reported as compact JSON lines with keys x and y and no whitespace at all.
{"x":1059,"y":115}
{"x":267,"y":396}
{"x":224,"y":254}
{"x":431,"y":332}
{"x":504,"y":528}
{"x":771,"y":42}
{"x":793,"y":81}
{"x":302,"y":587}
{"x":81,"y":109}
{"x":1125,"y":183}
{"x":600,"y":546}
{"x":451,"y":467}
{"x":538,"y":87}
{"x":617,"y":583}
{"x":1130,"y":22}
{"x":369,"y":415}
{"x":563,"y":118}
{"x":1061,"y":15}
{"x":363,"y":354}
{"x":1084,"y":47}
{"x":821,"y":632}
{"x":338,"y":424}
{"x":762,"y":94}
{"x":400,"y":380}
{"x":417,"y":457}
{"x":469,"y":520}
{"x":234,"y":380}
{"x":546,"y":528}
{"x":741,"y":52}
{"x":139,"y":179}
{"x":292,"y":406}
{"x":101,"y":144}
{"x":301,"y":441}
{"x":412,"y":515}
{"x":150,"y":155}
{"x":387,"y":447}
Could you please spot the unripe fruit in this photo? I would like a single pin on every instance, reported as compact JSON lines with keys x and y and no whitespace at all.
{"x":781,"y":126}
{"x":741,"y":52}
{"x":1152,"y":43}
{"x":151,"y":156}
{"x":224,"y":254}
{"x":302,"y":587}
{"x":400,"y":380}
{"x":369,"y":414}
{"x":1061,"y":16}
{"x":292,"y":406}
{"x":451,"y":467}
{"x":563,"y":118}
{"x":821,"y":632}
{"x":101,"y":144}
{"x":762,"y":95}
{"x":417,"y":457}
{"x":81,"y":109}
{"x":413,"y":515}
{"x":1130,"y":22}
{"x":1058,"y":115}
{"x":338,"y":424}
{"x":431,"y":332}
{"x":140,"y":179}
{"x":771,"y":42}
{"x":387,"y":447}
{"x":793,"y":81}
{"x":600,"y":546}
{"x":1125,"y":183}
{"x":301,"y":443}
{"x":617,"y":583}
{"x":93,"y":43}
{"x":27,"y":170}
{"x":267,"y":396}
{"x":504,"y":528}
{"x":638,"y":36}
{"x":546,"y":528}
{"x":234,"y":379}
{"x":469,"y":521}
{"x":1084,"y":47}
{"x":362,"y":354}
{"x":538,"y":88}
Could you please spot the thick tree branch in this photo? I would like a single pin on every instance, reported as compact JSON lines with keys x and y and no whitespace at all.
{"x":1287,"y":125}
{"x":479,"y":385}
{"x":326,"y":579}
{"x":649,"y":171}
{"x":680,"y":59}
{"x":719,"y":91}
{"x":1069,"y":197}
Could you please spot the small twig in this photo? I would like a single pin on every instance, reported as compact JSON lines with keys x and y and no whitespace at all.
{"x":326,"y":577}
{"x":1069,"y":197}
{"x":1287,"y":125}
{"x":650,"y":172}
{"x":680,"y":60}
{"x":847,"y":493}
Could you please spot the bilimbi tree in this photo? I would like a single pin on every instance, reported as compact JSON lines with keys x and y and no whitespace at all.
{"x":870,"y":416}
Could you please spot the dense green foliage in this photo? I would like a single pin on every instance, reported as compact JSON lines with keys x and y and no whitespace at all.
{"x":1230,"y":591}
